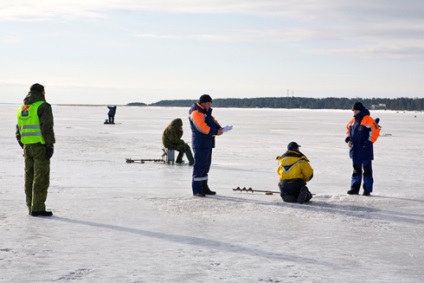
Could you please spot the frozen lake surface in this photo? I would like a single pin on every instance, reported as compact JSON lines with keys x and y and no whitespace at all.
{"x":119,"y":222}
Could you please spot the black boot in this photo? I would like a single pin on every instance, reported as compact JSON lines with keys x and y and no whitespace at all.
{"x":302,"y":195}
{"x":189,"y":157}
{"x":206,"y":190}
{"x":308,"y":195}
{"x":353,"y":192}
{"x":41,"y":213}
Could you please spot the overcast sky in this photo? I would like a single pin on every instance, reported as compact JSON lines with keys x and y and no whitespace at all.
{"x":120,"y":51}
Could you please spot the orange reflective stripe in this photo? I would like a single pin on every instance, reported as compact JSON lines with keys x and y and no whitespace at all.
{"x":369,"y":122}
{"x":198,"y":119}
{"x":351,"y":122}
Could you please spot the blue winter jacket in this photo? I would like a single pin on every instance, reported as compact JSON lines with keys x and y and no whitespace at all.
{"x":204,"y":127}
{"x":360,"y":136}
{"x":112,"y":110}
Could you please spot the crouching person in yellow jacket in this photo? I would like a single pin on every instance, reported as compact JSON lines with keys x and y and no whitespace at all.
{"x":294,"y":171}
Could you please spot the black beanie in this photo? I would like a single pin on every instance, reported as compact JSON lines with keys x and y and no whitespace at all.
{"x":205,"y":98}
{"x":293,"y":146}
{"x":37,"y":87}
{"x":358,"y":106}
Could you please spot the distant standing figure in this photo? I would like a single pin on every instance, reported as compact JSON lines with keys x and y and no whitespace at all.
{"x":171,"y":139}
{"x":377,"y":121}
{"x":294,"y":171}
{"x":111,"y":113}
{"x":35,"y":135}
{"x":361,"y":132}
{"x":204,"y":128}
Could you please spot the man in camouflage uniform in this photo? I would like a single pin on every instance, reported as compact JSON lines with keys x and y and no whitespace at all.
{"x":35,"y":135}
{"x":171,"y":139}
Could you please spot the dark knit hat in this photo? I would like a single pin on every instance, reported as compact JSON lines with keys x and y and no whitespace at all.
{"x":205,"y":98}
{"x":358,"y":106}
{"x":37,"y":87}
{"x":293,"y":146}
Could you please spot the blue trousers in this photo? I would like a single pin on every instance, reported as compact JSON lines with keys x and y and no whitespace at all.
{"x":202,"y":164}
{"x":362,"y":168}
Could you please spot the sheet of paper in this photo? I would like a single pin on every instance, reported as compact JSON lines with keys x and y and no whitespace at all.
{"x":227,"y":128}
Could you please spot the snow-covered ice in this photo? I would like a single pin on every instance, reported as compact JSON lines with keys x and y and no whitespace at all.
{"x":119,"y":222}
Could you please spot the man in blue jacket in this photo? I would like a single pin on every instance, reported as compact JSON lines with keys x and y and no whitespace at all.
{"x":204,"y":128}
{"x":361,"y":132}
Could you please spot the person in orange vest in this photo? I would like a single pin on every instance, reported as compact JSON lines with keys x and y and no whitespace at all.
{"x":204,"y":128}
{"x":35,"y":135}
{"x":361,"y":133}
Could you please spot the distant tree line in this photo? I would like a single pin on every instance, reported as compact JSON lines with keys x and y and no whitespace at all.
{"x":402,"y":103}
{"x":137,"y":104}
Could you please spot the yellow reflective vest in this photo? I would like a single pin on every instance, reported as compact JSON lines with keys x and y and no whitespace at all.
{"x":294,"y":165}
{"x":29,"y":124}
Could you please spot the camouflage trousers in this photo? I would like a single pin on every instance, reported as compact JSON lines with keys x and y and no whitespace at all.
{"x":181,"y":147}
{"x":37,"y":176}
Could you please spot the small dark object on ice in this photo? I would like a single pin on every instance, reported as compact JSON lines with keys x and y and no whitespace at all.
{"x":129,"y":160}
{"x":253,"y":191}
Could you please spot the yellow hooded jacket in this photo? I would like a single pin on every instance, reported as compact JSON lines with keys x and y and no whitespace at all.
{"x":294,"y":165}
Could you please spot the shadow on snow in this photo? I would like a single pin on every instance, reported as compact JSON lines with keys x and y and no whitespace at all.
{"x":190,"y":240}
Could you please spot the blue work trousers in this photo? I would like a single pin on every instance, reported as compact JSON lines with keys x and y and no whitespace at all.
{"x":202,"y":164}
{"x":362,"y":168}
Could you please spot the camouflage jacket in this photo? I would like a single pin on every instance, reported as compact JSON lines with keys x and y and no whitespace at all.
{"x":171,"y":137}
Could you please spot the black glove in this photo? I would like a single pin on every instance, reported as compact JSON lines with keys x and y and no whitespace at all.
{"x":367,"y":144}
{"x":49,"y":152}
{"x":347,"y":139}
